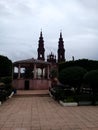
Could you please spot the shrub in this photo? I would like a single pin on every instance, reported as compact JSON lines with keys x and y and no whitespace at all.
{"x":57,"y":91}
{"x":84,"y":97}
{"x":69,"y":99}
{"x":5,"y":66}
{"x":6,"y":89}
{"x":91,"y":79}
{"x":6,"y":80}
{"x":72,"y":76}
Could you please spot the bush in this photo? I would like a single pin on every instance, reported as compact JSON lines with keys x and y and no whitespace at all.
{"x":69,"y":99}
{"x":84,"y":97}
{"x":91,"y":80}
{"x":5,"y":77}
{"x":57,"y":91}
{"x":72,"y":76}
{"x":5,"y":91}
{"x":6,"y":80}
{"x":5,"y":87}
{"x":5,"y":66}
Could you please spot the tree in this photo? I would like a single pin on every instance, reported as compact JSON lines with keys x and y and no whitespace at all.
{"x":5,"y":66}
{"x":91,"y":79}
{"x":6,"y":74}
{"x":72,"y":76}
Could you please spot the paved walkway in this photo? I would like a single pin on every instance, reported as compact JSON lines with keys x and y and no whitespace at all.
{"x":43,"y":113}
{"x":32,"y":92}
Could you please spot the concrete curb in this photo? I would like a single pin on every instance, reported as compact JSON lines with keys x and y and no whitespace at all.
{"x":11,"y":95}
{"x":68,"y":104}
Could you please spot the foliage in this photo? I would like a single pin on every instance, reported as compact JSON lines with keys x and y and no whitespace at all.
{"x":91,"y":79}
{"x":72,"y":76}
{"x":84,"y":97}
{"x":53,"y":73}
{"x":84,"y":94}
{"x":5,"y":77}
{"x":69,"y":99}
{"x":5,"y":66}
{"x":57,"y":91}
{"x":85,"y":63}
{"x":6,"y":80}
{"x":5,"y":91}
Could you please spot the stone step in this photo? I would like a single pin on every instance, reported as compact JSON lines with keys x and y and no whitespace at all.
{"x":30,"y":95}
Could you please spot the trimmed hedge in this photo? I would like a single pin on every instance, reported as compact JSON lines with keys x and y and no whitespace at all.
{"x":91,"y":78}
{"x":72,"y":76}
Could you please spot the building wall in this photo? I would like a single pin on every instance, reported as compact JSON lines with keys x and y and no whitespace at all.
{"x":35,"y":84}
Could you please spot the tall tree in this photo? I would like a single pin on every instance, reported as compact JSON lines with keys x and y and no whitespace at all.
{"x":5,"y":66}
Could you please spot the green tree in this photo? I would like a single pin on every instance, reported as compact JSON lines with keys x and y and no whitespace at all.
{"x":6,"y":74}
{"x":72,"y":76}
{"x":5,"y":66}
{"x":91,"y":80}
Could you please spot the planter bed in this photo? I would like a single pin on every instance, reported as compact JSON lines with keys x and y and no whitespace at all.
{"x":68,"y":103}
{"x":96,"y":103}
{"x":84,"y":103}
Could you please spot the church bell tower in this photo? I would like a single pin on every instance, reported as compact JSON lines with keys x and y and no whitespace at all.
{"x":41,"y":50}
{"x":61,"y":50}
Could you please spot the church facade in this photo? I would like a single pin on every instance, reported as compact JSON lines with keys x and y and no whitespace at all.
{"x":51,"y":57}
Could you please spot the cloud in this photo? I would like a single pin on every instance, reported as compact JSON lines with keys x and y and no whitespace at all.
{"x":22,"y":20}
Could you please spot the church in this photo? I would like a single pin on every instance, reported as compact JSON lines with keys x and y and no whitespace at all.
{"x":36,"y":74}
{"x":51,"y":57}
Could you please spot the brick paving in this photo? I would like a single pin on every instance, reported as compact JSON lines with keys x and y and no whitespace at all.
{"x":43,"y":113}
{"x":32,"y":92}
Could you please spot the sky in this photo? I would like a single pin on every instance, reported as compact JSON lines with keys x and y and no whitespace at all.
{"x":22,"y":20}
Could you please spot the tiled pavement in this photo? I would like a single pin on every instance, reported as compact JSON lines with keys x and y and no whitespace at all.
{"x":43,"y":113}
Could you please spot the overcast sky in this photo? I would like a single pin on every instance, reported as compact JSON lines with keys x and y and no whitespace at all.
{"x":22,"y":20}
